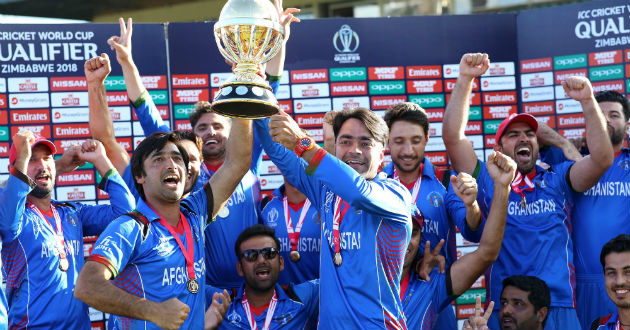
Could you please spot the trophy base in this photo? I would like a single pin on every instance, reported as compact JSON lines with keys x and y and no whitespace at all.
{"x":245,"y":101}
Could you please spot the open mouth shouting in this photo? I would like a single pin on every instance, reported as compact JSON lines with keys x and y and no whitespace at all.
{"x":171,"y":180}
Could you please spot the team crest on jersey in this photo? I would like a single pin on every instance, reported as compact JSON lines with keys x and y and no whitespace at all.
{"x":330,"y":196}
{"x":316,"y":218}
{"x":72,"y":218}
{"x":435,"y":199}
{"x":234,"y":318}
{"x":164,"y":247}
{"x":541,"y":183}
{"x":284,"y":318}
{"x":272,"y":217}
{"x":625,"y":165}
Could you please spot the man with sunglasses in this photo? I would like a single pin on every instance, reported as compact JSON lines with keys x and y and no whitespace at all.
{"x":261,"y":303}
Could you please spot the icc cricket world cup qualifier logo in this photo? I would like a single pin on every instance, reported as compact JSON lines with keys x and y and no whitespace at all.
{"x":347,"y":38}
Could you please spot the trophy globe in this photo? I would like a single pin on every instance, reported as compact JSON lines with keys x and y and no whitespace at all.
{"x":248,"y":33}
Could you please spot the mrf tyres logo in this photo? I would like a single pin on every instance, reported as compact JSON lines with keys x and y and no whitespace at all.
{"x":346,"y":42}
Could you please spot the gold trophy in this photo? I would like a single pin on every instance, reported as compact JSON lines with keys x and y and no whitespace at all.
{"x":247,"y":33}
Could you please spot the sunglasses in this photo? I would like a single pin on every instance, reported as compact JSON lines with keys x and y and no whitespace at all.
{"x":252,"y":254}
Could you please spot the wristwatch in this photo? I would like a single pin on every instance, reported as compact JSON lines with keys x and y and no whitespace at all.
{"x":304,"y":144}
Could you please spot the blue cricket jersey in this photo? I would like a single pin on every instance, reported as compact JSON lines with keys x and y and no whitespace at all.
{"x":537,"y":239}
{"x":149,"y":263}
{"x":442,"y":211}
{"x":240,"y":212}
{"x":296,"y":305}
{"x":363,"y":292}
{"x":307,"y":268}
{"x":36,"y":287}
{"x":608,"y":199}
{"x":423,"y":301}
{"x":610,"y":322}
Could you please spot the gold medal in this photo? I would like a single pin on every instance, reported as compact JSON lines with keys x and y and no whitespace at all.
{"x":337,"y":259}
{"x":192,"y":285}
{"x":523,"y":202}
{"x":294,"y":256}
{"x":64,"y":264}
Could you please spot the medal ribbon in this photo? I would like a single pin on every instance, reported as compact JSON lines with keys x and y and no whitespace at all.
{"x":523,"y":180}
{"x":205,"y":169}
{"x":338,"y":216}
{"x":189,"y":251}
{"x":250,"y":315}
{"x":294,"y":235}
{"x":416,"y":185}
{"x":58,"y":233}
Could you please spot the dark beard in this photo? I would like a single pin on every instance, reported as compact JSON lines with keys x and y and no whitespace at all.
{"x":616,"y":136}
{"x":414,"y":169}
{"x":39,"y":192}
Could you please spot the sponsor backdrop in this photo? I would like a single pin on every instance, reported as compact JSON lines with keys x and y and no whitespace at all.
{"x":43,"y":89}
{"x":331,"y":64}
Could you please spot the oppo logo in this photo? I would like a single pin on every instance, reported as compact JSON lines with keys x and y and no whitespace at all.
{"x":428,"y":100}
{"x":570,"y":61}
{"x":492,"y":126}
{"x":606,"y":73}
{"x":158,"y":96}
{"x":348,"y":74}
{"x":114,"y":82}
{"x":394,"y":87}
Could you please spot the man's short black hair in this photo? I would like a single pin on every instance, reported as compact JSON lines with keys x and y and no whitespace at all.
{"x":618,"y":244}
{"x":253,"y":231}
{"x":613,"y":96}
{"x":153,"y":142}
{"x":539,"y":294}
{"x":407,"y":111}
{"x":190,"y":136}
{"x":201,"y":108}
{"x":374,"y":124}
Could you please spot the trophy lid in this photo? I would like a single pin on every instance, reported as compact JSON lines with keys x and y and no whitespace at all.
{"x":256,"y":9}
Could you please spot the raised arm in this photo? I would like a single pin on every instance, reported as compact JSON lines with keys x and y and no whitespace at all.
{"x":95,"y":218}
{"x":237,"y":163}
{"x":587,"y":171}
{"x":465,"y":271}
{"x":379,"y":197}
{"x":548,"y":137}
{"x":148,"y":115}
{"x":101,"y":124}
{"x":19,"y":185}
{"x":459,"y":149}
{"x":467,"y":192}
{"x":275,"y":66}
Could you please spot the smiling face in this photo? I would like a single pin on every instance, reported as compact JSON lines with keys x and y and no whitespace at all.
{"x":214,"y":130}
{"x":164,"y":175}
{"x":356,"y":147}
{"x":617,"y":278}
{"x":406,"y":144}
{"x":41,"y":168}
{"x":261,"y":274}
{"x":519,"y":142}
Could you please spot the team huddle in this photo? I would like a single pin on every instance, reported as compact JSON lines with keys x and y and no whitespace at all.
{"x":187,"y":242}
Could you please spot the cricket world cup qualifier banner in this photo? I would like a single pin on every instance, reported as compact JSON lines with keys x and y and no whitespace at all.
{"x":587,"y":39}
{"x":43,"y":89}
